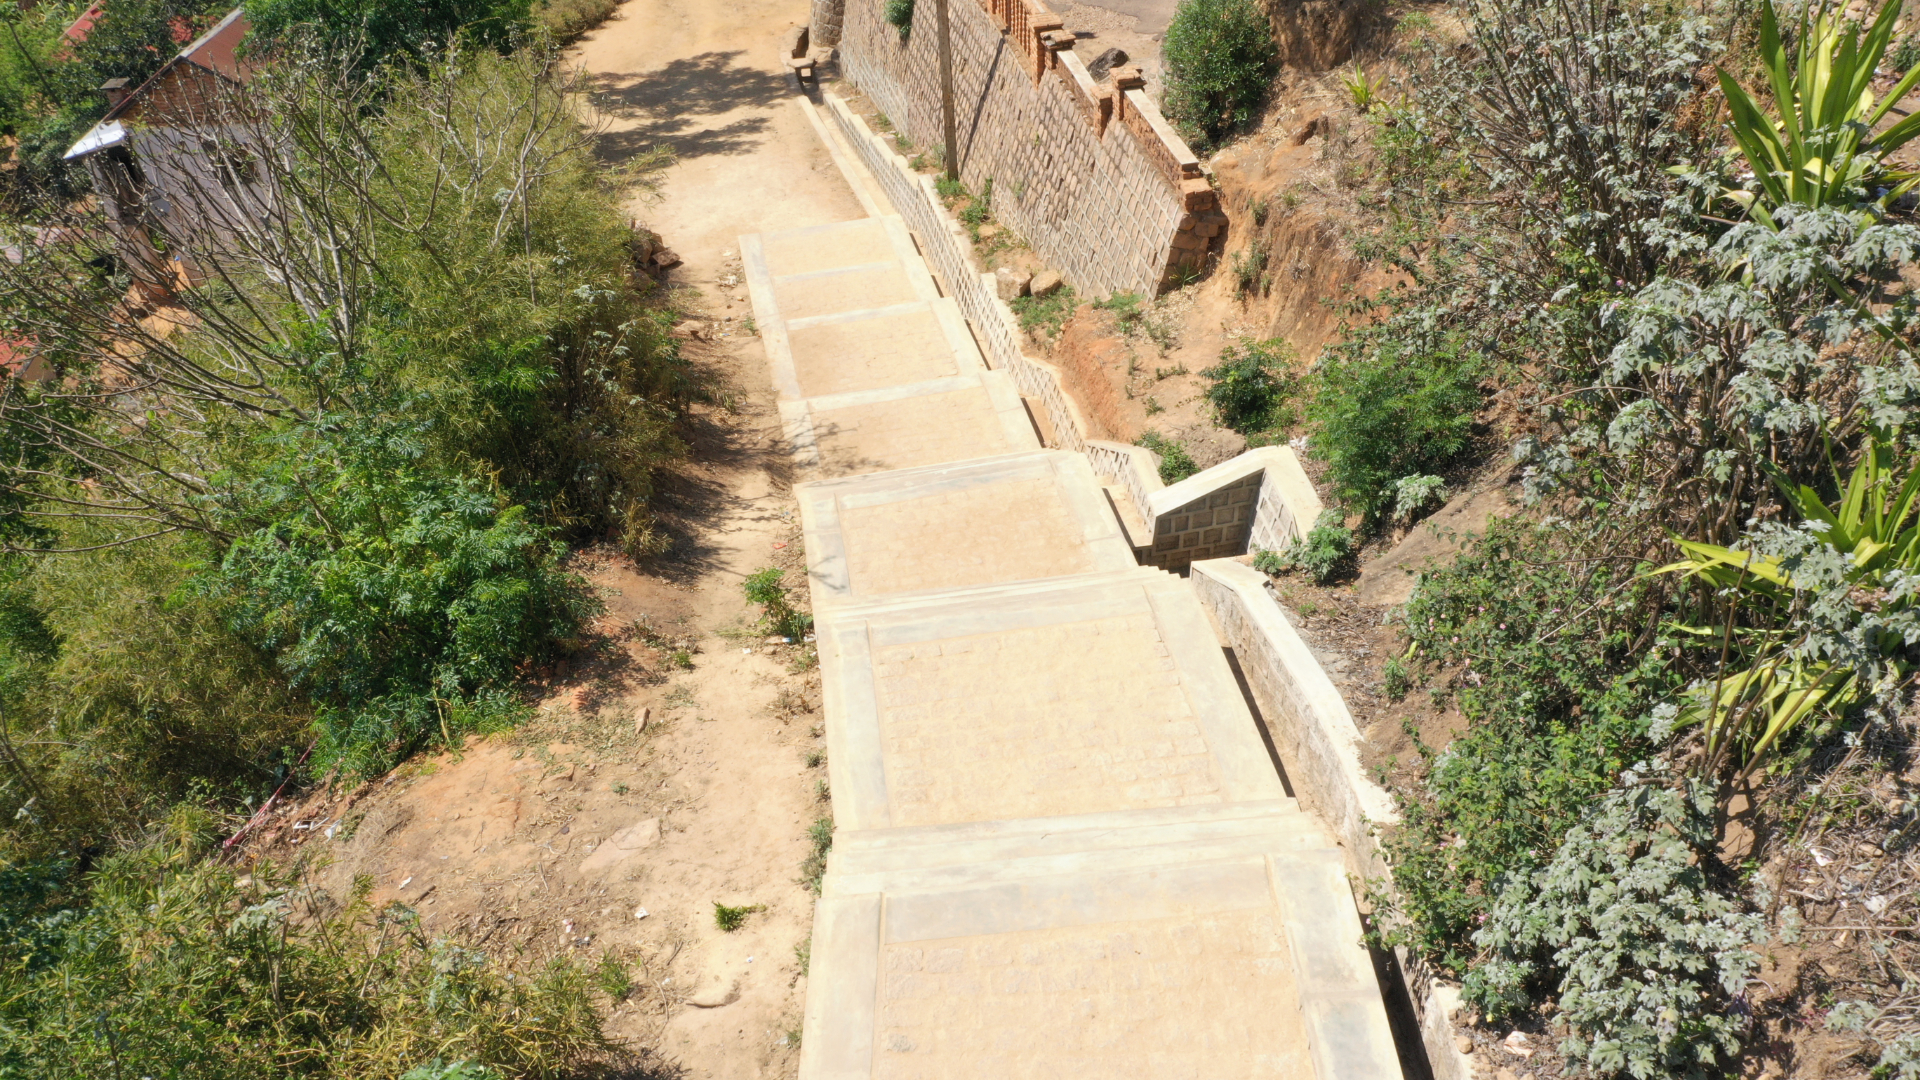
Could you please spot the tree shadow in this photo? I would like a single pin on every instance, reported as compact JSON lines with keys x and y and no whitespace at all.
{"x":668,"y":106}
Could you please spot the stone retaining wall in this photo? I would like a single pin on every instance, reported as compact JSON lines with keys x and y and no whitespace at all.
{"x":944,"y":243}
{"x":1088,"y":173}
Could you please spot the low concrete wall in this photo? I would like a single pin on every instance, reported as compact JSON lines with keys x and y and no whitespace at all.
{"x":1317,"y":738}
{"x":944,"y":243}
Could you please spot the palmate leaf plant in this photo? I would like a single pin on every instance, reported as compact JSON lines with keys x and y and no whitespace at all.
{"x":1816,"y":616}
{"x":1822,"y":149}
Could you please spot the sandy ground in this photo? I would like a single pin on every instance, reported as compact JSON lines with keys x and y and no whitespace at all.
{"x":678,"y":762}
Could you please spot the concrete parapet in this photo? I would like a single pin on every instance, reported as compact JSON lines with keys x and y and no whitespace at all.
{"x":1311,"y":726}
{"x":1261,"y":498}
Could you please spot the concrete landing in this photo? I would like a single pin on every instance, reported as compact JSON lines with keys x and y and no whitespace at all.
{"x":1062,"y":847}
{"x":1067,"y":696}
{"x":957,"y":525}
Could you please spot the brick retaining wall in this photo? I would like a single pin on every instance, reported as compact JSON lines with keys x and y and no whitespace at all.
{"x":1088,"y":173}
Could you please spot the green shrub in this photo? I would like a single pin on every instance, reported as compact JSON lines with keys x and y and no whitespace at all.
{"x":820,"y":836}
{"x":1046,"y":314}
{"x":1385,"y":411}
{"x":1220,"y":57}
{"x":383,"y":30}
{"x":729,"y":919}
{"x":168,"y":967}
{"x":765,"y":587}
{"x":405,"y":605}
{"x":900,"y":14}
{"x":1642,"y":949}
{"x":1175,"y":463}
{"x":1394,"y":679}
{"x":568,"y":19}
{"x":1254,"y":386}
{"x":1322,"y":555}
{"x":1547,"y":657}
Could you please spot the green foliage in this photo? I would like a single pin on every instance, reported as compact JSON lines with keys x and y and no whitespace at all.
{"x":1823,"y":150}
{"x":456,"y":1070}
{"x":1254,"y":386}
{"x":1546,"y":655}
{"x":1390,"y":407}
{"x":950,"y":189}
{"x":900,"y":14}
{"x":1394,"y":679}
{"x":170,"y":968}
{"x":1322,"y":555}
{"x":399,"y":600}
{"x":1783,"y":669}
{"x":1045,"y":314}
{"x":1250,"y":266}
{"x":820,"y":836}
{"x":381,"y":31}
{"x":1413,"y":494}
{"x":613,"y":978}
{"x":1642,"y":949}
{"x":729,"y":919}
{"x":1220,"y":57}
{"x":124,"y":694}
{"x":568,"y":19}
{"x":765,"y":588}
{"x":1175,"y":463}
{"x":1362,"y":91}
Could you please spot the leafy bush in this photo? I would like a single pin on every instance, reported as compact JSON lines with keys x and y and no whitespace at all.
{"x":900,"y":14}
{"x":166,"y":969}
{"x":381,"y":31}
{"x":568,"y":19}
{"x":1175,"y":463}
{"x":1220,"y":57}
{"x":391,"y":595}
{"x":765,"y":588}
{"x":1548,"y":657}
{"x":1386,"y":409}
{"x":729,"y":919}
{"x":1254,"y":386}
{"x":1327,"y":548}
{"x":1413,"y":494}
{"x":1641,"y":948}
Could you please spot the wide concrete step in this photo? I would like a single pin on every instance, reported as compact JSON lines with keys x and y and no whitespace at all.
{"x":1080,"y":828}
{"x":1241,"y":961}
{"x":998,"y":520}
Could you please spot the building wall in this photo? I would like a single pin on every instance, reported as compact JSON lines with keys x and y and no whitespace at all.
{"x":1089,"y":174}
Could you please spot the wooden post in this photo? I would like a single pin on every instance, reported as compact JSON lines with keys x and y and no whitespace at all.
{"x":952,"y":149}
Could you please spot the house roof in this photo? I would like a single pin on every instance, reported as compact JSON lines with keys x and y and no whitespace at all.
{"x":78,"y":30}
{"x":215,"y":51}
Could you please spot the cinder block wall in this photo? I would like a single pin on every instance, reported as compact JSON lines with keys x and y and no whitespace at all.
{"x":1087,"y":173}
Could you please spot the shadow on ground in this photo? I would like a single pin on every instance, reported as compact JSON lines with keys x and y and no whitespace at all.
{"x":676,"y":106}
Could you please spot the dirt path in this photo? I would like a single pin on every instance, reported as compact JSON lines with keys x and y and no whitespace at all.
{"x":677,"y":763}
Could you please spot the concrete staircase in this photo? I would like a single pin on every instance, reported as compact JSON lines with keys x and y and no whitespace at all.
{"x":1063,"y":848}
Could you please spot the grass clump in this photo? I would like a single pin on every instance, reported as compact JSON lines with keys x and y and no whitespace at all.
{"x":161,"y":968}
{"x":568,"y":19}
{"x":1175,"y":463}
{"x":1047,"y":314}
{"x":1220,"y":57}
{"x":729,"y":919}
{"x":820,"y":834}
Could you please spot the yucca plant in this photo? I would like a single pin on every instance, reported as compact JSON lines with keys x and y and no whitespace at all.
{"x":1364,"y":91}
{"x":1822,"y":150}
{"x":1781,"y":686}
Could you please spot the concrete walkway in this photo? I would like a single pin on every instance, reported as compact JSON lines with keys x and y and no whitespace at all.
{"x":1063,"y":848}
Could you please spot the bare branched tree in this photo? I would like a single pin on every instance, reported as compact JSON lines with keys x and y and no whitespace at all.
{"x":222,"y":282}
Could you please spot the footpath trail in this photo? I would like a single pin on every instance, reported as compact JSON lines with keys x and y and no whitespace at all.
{"x":1062,"y":847}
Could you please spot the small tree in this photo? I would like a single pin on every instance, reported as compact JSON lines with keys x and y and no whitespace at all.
{"x":1220,"y":58}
